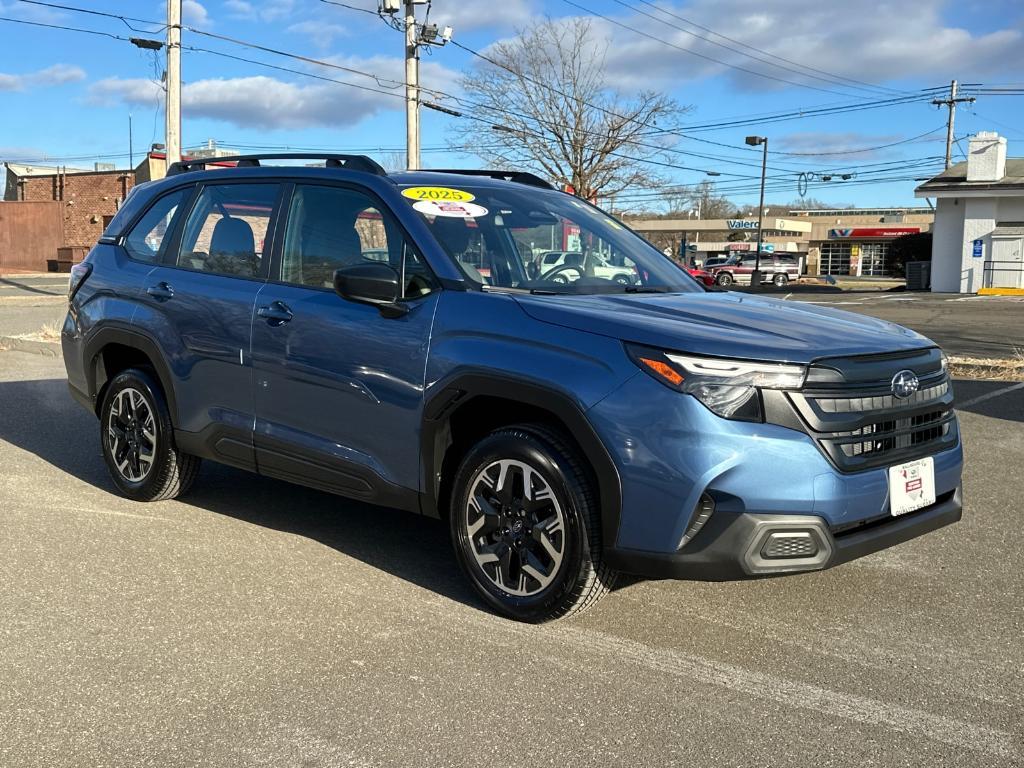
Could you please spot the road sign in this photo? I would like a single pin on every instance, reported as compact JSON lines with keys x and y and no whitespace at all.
{"x":767,"y":248}
{"x":692,"y":247}
{"x":977,"y":248}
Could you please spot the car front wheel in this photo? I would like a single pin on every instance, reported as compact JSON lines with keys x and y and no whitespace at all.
{"x":526,"y":526}
{"x":724,"y":279}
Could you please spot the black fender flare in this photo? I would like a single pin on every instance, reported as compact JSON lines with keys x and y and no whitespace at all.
{"x":134,"y":338}
{"x":461,"y":387}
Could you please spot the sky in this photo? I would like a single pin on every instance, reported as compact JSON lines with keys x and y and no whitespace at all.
{"x":66,"y":96}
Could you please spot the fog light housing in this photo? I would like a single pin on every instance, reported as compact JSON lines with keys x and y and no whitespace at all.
{"x":783,"y":545}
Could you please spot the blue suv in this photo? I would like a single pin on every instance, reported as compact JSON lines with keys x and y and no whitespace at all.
{"x":395,"y":338}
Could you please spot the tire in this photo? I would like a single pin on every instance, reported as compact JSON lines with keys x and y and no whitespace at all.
{"x":138,"y":440}
{"x":499,"y":536}
{"x":780,"y":279}
{"x":623,"y":279}
{"x":724,"y":279}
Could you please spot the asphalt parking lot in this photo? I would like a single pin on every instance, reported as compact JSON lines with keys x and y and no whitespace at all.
{"x":259,"y":624}
{"x":975,"y":326}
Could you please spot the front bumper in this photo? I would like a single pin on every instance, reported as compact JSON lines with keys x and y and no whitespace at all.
{"x":733,"y":546}
{"x":672,"y":454}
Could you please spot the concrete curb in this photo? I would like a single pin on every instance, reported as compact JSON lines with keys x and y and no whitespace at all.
{"x":15,"y":344}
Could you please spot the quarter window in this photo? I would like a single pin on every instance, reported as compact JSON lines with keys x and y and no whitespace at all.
{"x":333,"y":227}
{"x":227,"y":230}
{"x":146,"y":240}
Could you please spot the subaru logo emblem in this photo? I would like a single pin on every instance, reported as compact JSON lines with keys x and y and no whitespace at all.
{"x":904,"y":384}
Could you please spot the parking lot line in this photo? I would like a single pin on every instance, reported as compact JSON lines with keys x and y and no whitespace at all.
{"x":990,"y":395}
{"x":861,"y":709}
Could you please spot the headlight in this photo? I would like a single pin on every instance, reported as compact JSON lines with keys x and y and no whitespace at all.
{"x":729,"y":388}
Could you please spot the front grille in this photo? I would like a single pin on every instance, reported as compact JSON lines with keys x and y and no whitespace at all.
{"x":894,"y":434}
{"x":861,"y":424}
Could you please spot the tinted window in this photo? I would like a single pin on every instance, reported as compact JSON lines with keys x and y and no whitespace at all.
{"x":787,"y":261}
{"x":146,"y":240}
{"x":227,"y":229}
{"x":332,"y":227}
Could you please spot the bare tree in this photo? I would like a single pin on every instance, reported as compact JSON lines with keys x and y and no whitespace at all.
{"x":702,"y":197}
{"x":546,"y":106}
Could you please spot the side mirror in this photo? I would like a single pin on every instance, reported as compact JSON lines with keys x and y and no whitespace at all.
{"x":376,"y":284}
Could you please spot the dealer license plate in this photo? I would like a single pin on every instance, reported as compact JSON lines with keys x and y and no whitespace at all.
{"x":911,"y":486}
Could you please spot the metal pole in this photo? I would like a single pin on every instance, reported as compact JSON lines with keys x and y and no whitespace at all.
{"x":172,"y":115}
{"x":131,"y":154}
{"x":755,"y":278}
{"x":412,"y":95}
{"x":949,"y":124}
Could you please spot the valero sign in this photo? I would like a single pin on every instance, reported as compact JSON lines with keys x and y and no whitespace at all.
{"x":741,"y":223}
{"x":868,"y":232}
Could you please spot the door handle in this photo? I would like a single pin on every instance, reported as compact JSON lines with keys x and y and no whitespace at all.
{"x":276,"y":314}
{"x":161,"y":291}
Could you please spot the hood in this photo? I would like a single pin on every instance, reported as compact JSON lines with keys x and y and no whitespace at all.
{"x":726,"y":324}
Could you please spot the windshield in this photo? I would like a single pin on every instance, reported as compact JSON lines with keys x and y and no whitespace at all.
{"x":523,"y":238}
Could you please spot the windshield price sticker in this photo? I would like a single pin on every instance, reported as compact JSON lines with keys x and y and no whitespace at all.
{"x":446,"y":194}
{"x":450,"y":210}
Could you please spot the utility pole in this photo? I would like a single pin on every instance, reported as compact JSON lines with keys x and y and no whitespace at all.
{"x":412,"y":88}
{"x":131,"y":154}
{"x":173,"y":106}
{"x":951,"y":103}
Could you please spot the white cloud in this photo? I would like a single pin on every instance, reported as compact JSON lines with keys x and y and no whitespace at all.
{"x":193,"y":12}
{"x":469,"y":16}
{"x":267,"y":10}
{"x":270,"y":103}
{"x":880,"y":42}
{"x":321,"y":33}
{"x":57,"y":74}
{"x":239,"y":7}
{"x":254,"y":102}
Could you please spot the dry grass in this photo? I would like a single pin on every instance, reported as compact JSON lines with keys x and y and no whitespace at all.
{"x":1010,"y":369}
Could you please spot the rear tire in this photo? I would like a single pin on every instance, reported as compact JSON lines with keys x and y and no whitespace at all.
{"x":138,"y":440}
{"x":780,"y":280}
{"x":526,"y":526}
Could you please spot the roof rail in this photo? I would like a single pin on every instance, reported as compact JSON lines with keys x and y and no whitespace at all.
{"x":348,"y":162}
{"x":520,"y":177}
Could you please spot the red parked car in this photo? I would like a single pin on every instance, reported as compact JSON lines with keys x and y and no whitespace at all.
{"x":702,"y":276}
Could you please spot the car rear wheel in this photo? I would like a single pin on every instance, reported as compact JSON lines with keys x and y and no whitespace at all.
{"x":138,"y":440}
{"x":526,"y":527}
{"x":780,"y":280}
{"x":724,"y":279}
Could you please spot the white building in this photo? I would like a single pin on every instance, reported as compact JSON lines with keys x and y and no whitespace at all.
{"x":978,"y":235}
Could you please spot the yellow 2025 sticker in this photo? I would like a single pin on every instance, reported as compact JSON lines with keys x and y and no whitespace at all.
{"x":446,"y":194}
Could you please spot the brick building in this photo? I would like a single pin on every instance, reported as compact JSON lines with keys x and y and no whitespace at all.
{"x":88,"y":199}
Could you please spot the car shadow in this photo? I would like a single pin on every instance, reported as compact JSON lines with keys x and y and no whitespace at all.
{"x":40,"y":417}
{"x":29,"y":289}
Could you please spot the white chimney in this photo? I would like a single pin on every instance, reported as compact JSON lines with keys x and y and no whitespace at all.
{"x":986,"y":158}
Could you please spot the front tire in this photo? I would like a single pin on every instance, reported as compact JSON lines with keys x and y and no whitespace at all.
{"x":138,"y":440}
{"x":724,"y":279}
{"x":526,"y":526}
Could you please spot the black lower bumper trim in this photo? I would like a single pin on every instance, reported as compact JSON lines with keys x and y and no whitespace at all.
{"x":728,"y":548}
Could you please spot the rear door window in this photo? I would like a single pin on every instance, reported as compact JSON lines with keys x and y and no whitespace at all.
{"x":150,"y":235}
{"x":226,"y":232}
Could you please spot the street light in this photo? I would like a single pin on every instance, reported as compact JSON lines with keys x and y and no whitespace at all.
{"x":755,"y":276}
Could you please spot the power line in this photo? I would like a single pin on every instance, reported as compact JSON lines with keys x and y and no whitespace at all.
{"x":863,"y":149}
{"x":125,"y":19}
{"x":746,"y":47}
{"x":737,"y":67}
